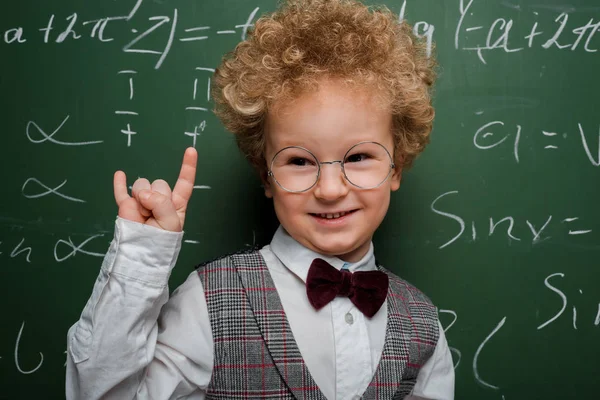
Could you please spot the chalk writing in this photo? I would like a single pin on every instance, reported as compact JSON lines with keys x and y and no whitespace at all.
{"x":17,"y":363}
{"x":46,"y":137}
{"x":195,"y":134}
{"x":478,"y":352}
{"x":58,"y":246}
{"x":74,"y":29}
{"x":564,"y":302}
{"x":130,"y":73}
{"x":49,"y":191}
{"x":14,"y":34}
{"x":421,"y":29}
{"x":75,"y":249}
{"x":128,"y":132}
{"x":209,"y":72}
{"x":499,"y":33}
{"x":17,"y":250}
{"x":493,"y":134}
{"x":453,"y":350}
{"x":536,"y":229}
{"x":161,"y":21}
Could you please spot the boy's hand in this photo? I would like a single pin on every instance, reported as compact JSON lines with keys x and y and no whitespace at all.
{"x":154,"y":204}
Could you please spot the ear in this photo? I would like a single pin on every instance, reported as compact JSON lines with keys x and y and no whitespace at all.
{"x":266,"y":183}
{"x":396,"y":178}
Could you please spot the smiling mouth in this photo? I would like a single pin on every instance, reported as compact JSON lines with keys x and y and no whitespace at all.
{"x":332,"y":215}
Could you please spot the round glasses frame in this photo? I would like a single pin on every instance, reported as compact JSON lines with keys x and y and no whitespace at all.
{"x":341,"y":162}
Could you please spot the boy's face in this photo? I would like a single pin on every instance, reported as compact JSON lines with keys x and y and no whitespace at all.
{"x":328,"y":123}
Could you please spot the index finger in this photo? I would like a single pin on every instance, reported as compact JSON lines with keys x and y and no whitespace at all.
{"x":120,"y":187}
{"x":185,"y":183}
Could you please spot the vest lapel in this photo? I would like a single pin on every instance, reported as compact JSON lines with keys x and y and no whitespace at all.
{"x":273,"y":324}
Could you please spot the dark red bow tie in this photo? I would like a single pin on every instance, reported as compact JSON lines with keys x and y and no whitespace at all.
{"x":366,"y":289}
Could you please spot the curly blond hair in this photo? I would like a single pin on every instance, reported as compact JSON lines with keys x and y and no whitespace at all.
{"x":291,"y":49}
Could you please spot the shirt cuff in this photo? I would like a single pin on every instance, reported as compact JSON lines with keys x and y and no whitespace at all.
{"x":143,"y":252}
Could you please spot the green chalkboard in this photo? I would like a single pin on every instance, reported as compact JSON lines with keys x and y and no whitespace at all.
{"x":498,"y":221}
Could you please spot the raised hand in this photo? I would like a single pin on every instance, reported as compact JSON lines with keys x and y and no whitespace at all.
{"x":155,"y":204}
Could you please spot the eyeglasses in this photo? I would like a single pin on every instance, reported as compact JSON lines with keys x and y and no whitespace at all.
{"x":365,"y":165}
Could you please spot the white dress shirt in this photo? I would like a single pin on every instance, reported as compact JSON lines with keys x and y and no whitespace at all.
{"x":133,"y":342}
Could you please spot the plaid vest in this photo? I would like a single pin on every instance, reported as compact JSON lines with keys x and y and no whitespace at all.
{"x":256,"y":356}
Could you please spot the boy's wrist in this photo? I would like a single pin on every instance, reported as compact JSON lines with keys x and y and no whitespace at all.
{"x":143,"y":252}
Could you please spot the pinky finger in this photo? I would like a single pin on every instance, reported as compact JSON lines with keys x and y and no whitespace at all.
{"x":120,"y":187}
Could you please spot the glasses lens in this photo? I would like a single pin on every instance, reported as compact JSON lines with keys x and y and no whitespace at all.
{"x":367,"y":165}
{"x":295,"y":169}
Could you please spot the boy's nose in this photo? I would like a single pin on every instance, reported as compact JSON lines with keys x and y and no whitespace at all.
{"x":332,"y":184}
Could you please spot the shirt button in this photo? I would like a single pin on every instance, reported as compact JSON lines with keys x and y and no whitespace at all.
{"x":349,"y":318}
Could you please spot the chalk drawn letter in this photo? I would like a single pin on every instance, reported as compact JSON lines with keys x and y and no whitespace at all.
{"x":17,"y":354}
{"x":590,"y":37}
{"x":15,"y":34}
{"x":50,"y":190}
{"x":481,"y":132}
{"x":557,"y":291}
{"x":536,"y":235}
{"x":511,"y":223}
{"x":502,"y":41}
{"x":476,"y":357}
{"x":428,"y":30}
{"x":50,"y":138}
{"x":69,"y":31}
{"x":451,"y":216}
{"x":581,"y":31}
{"x":595,"y":163}
{"x":161,"y":21}
{"x":452,"y":349}
{"x":16,"y":251}
{"x":75,"y":249}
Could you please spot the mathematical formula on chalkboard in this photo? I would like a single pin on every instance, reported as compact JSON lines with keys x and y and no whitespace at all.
{"x":553,"y":30}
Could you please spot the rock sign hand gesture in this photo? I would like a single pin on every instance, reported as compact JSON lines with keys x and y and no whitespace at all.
{"x":155,"y":204}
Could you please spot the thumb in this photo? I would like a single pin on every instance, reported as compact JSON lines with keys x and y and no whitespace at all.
{"x":162,"y":209}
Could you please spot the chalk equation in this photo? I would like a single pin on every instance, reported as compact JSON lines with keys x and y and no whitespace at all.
{"x":75,"y":27}
{"x":556,"y":32}
{"x":37,"y":134}
{"x":498,"y":134}
{"x":504,"y":225}
{"x":130,"y":113}
{"x":63,"y":249}
{"x":548,"y":27}
{"x":21,"y":249}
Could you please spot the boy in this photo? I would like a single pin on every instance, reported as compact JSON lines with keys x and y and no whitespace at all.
{"x":329,"y":102}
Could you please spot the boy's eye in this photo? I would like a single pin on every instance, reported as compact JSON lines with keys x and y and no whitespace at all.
{"x":356,"y":158}
{"x":300,"y":162}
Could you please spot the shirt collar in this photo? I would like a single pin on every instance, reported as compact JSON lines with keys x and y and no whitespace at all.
{"x":298,"y":258}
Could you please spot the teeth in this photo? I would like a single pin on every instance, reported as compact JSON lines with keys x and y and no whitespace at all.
{"x":331,"y":216}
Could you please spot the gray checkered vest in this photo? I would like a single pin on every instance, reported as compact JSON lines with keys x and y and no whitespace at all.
{"x":256,"y":356}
